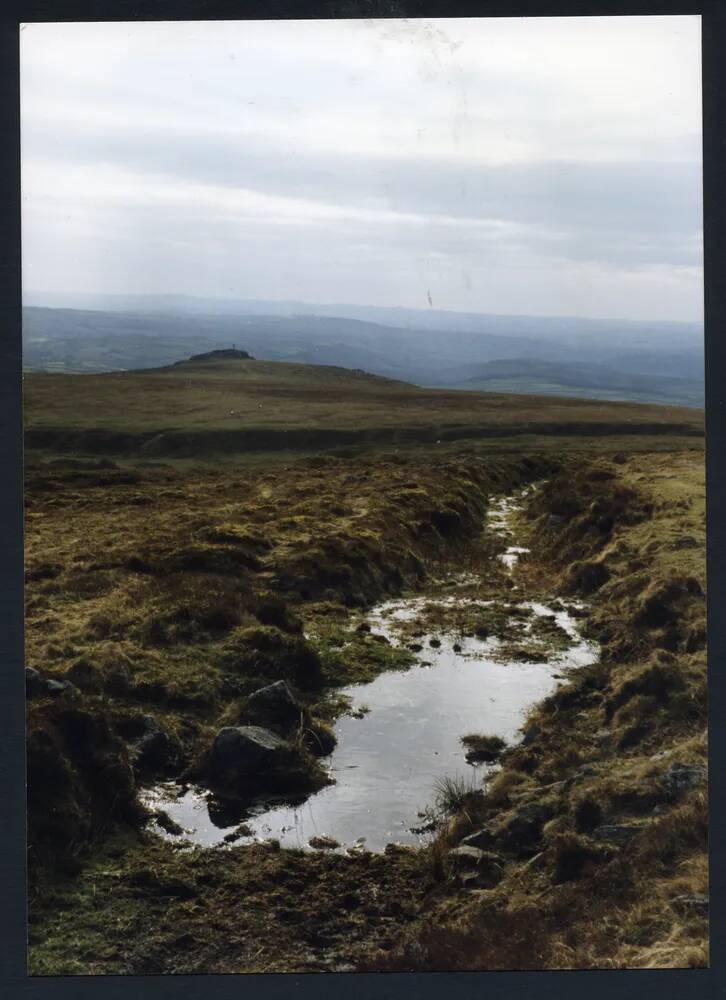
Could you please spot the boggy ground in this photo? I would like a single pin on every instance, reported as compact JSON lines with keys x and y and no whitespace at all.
{"x":168,"y":594}
{"x":589,"y":847}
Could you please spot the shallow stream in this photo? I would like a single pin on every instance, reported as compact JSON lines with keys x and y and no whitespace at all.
{"x":390,"y":756}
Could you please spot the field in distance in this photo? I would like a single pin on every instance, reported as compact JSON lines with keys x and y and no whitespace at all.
{"x":218,"y":402}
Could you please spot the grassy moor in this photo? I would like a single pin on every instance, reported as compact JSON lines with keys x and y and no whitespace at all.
{"x":227,"y":560}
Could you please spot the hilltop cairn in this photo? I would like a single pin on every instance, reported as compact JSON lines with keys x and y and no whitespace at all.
{"x":223,"y":354}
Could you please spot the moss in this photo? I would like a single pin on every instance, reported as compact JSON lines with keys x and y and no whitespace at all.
{"x":350,"y":656}
{"x":264,"y":651}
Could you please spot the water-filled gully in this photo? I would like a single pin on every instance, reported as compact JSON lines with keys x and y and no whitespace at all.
{"x":389,"y":757}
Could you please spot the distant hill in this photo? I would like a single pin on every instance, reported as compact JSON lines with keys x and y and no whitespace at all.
{"x":227,"y":404}
{"x":646,"y":362}
{"x":531,"y":375}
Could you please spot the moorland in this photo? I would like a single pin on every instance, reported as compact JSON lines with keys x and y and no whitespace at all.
{"x":197,"y":534}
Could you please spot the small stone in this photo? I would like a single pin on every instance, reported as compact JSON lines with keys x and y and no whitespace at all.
{"x":465,"y":856}
{"x":156,"y":750}
{"x":39,"y":686}
{"x":474,"y":868}
{"x":682,"y":778}
{"x":696,"y":902}
{"x":480,"y":839}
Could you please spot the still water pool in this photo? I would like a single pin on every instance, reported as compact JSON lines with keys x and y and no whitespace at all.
{"x":388,"y":760}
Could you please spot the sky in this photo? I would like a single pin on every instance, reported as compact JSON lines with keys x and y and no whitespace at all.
{"x":543,"y":166}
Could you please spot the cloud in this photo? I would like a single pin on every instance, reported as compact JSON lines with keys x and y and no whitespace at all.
{"x":429,"y":150}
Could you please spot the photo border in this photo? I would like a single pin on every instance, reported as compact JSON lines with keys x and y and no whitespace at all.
{"x":663,"y":983}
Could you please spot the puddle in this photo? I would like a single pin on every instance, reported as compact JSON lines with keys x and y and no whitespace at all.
{"x":404,"y":731}
{"x":388,"y":759}
{"x":498,"y":514}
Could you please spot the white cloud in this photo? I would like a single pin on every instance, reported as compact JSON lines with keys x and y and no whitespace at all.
{"x":534,"y":143}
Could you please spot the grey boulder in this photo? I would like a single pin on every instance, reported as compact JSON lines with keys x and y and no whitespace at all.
{"x":246,"y":753}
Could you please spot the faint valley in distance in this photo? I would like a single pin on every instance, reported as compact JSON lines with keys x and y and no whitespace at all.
{"x":601,"y":359}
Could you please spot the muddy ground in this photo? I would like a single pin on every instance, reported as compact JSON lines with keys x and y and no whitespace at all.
{"x":161,"y":596}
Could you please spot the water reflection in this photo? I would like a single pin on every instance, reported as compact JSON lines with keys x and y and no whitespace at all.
{"x":388,"y":760}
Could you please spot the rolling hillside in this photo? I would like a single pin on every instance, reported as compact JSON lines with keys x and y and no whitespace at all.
{"x":241,"y":404}
{"x":611,"y":359}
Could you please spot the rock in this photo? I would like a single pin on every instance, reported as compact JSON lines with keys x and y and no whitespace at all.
{"x":435,"y":643}
{"x":39,"y":686}
{"x":323,"y":843}
{"x":479,"y":840}
{"x":275,"y":703}
{"x":522,"y":830}
{"x":156,"y":751}
{"x":618,"y":833}
{"x":247,"y":759}
{"x":245,"y":748}
{"x":465,"y":856}
{"x":456,"y":647}
{"x":693,"y":903}
{"x":475,"y":868}
{"x":86,"y":676}
{"x":682,"y":778}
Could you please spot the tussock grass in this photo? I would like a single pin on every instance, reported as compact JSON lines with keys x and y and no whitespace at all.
{"x":452,"y":794}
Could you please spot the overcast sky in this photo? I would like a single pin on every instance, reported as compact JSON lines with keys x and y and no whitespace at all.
{"x":547,"y":166}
